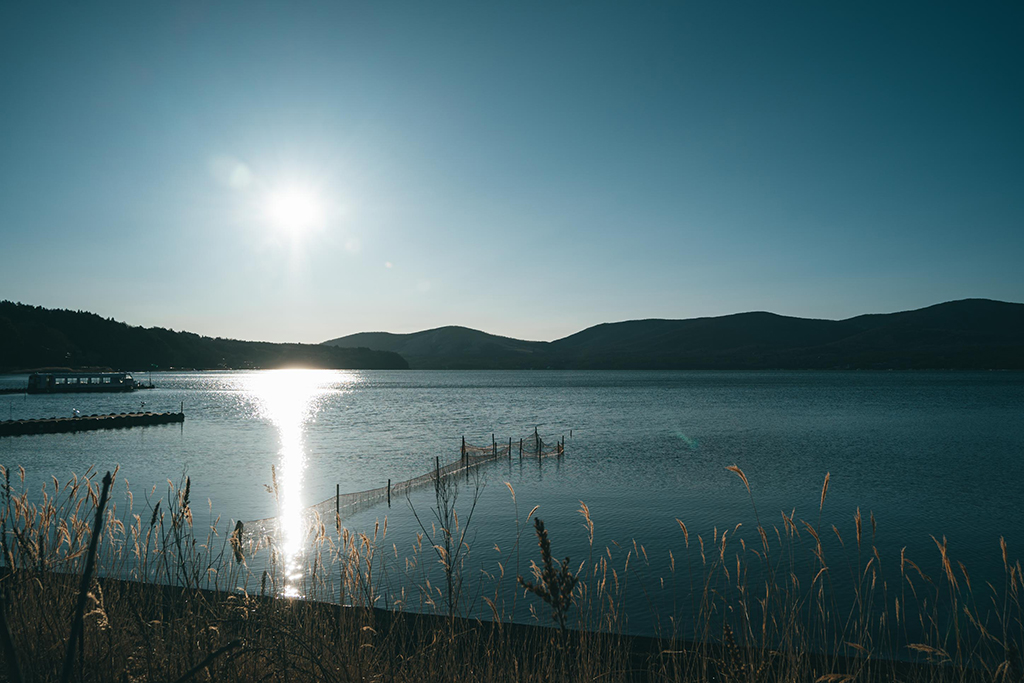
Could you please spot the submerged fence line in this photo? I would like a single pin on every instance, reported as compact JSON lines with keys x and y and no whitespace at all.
{"x":471,"y":456}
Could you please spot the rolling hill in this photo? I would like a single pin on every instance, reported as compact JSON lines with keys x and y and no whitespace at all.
{"x":966,"y":334}
{"x":454,"y":348}
{"x":34,"y":337}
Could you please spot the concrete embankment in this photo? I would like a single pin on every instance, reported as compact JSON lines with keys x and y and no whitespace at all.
{"x":57,"y":425}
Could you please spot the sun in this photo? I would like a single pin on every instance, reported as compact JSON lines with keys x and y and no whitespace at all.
{"x":294,"y":210}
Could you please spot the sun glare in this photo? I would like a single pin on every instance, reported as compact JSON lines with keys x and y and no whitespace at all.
{"x":289,"y":399}
{"x":295,"y":210}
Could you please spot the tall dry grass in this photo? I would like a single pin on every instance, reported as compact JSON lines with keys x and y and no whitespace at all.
{"x":181,"y":599}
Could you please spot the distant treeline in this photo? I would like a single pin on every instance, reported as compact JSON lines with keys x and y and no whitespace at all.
{"x":35,"y":337}
{"x":976,"y":334}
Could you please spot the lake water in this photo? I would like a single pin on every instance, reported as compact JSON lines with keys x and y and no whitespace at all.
{"x":928,"y":453}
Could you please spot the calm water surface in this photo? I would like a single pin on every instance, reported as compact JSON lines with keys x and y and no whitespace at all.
{"x":929,"y":453}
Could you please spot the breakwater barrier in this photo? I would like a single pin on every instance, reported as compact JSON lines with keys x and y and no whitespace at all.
{"x":83,"y":423}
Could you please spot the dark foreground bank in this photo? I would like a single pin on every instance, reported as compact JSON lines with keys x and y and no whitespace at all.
{"x":144,"y":632}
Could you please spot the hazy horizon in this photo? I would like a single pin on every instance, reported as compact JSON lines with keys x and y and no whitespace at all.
{"x":308,"y":171}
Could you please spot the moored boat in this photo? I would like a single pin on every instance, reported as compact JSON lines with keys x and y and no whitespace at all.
{"x":75,"y":382}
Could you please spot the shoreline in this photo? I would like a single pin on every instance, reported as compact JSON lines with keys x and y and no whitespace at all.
{"x":407,"y":636}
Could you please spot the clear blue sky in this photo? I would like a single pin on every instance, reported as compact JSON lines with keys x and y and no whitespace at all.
{"x":529,"y":169}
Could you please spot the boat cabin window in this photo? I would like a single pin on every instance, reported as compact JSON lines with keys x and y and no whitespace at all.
{"x":59,"y":380}
{"x":106,"y":380}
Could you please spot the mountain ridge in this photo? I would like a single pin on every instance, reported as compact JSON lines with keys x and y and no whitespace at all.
{"x":960,"y":334}
{"x":34,"y":337}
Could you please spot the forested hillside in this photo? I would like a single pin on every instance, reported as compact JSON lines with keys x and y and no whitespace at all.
{"x":967,"y":334}
{"x":34,"y":337}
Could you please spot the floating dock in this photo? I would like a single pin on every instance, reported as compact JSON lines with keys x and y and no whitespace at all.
{"x":84,"y":423}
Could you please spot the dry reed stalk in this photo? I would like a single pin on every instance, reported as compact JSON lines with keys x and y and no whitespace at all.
{"x":824,"y":492}
{"x":210,"y":658}
{"x":774,"y":625}
{"x":90,"y":562}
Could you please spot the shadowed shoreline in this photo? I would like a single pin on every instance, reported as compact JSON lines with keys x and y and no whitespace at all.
{"x":405,"y":645}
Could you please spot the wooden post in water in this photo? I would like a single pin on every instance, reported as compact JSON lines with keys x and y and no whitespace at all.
{"x":510,"y":448}
{"x":389,"y":493}
{"x":437,"y":474}
{"x":337,"y":499}
{"x":520,"y":449}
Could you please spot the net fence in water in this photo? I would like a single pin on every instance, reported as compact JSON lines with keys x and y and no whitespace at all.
{"x":344,"y":505}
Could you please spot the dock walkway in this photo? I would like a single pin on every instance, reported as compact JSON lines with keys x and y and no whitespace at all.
{"x":58,"y":425}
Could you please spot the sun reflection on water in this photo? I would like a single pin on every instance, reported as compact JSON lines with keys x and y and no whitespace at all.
{"x":289,"y":399}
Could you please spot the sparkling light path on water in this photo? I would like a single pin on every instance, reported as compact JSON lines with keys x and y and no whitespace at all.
{"x":289,"y":399}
